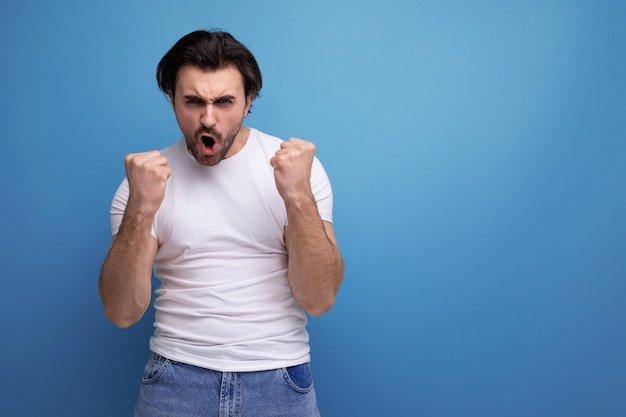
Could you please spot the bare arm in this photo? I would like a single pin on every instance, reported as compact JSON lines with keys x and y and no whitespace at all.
{"x":315,"y":263}
{"x":125,"y":279}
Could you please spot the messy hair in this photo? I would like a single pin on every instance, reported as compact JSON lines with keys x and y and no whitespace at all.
{"x":209,"y":50}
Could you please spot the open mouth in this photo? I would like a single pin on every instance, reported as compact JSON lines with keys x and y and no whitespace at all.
{"x":209,"y":145}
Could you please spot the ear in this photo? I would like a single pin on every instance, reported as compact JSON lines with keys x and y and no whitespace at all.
{"x":249,"y":101}
{"x":171,"y":98}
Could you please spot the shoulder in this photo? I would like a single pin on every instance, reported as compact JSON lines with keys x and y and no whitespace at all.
{"x":264,"y":140}
{"x":177,"y":154}
{"x":174,"y":149}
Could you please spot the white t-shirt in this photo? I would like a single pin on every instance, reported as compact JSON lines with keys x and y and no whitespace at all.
{"x":224,"y":302}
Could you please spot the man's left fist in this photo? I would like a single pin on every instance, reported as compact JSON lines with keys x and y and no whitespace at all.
{"x":292,"y":168}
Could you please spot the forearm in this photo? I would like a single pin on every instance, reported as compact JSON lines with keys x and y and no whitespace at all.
{"x":315,"y":263}
{"x":125,"y":279}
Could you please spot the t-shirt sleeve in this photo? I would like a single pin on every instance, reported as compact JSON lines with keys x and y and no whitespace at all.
{"x":322,"y":191}
{"x":118,"y":206}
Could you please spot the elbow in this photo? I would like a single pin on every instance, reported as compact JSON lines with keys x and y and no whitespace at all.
{"x":319,"y":307}
{"x":123,"y":321}
{"x":325,"y":299}
{"x":123,"y":313}
{"x":122,"y":324}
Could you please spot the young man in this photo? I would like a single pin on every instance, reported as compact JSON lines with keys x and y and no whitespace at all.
{"x":236,"y":224}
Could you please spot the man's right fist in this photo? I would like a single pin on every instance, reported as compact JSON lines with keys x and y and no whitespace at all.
{"x":147,"y":174}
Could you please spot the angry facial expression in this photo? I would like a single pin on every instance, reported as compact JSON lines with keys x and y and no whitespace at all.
{"x":210,"y":106}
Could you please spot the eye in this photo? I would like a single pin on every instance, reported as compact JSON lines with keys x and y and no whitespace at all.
{"x":194,"y":101}
{"x":224,"y":102}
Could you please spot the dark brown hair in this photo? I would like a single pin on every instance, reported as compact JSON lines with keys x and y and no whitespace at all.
{"x":209,"y":50}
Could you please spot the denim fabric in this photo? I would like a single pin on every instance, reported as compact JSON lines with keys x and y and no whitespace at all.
{"x":171,"y":388}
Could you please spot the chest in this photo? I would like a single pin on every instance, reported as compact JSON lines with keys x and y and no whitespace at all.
{"x":234,"y":208}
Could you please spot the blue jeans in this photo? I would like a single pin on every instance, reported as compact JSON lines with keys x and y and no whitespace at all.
{"x":172,"y":388}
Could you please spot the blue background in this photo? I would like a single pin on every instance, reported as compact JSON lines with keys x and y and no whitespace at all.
{"x":477,"y":154}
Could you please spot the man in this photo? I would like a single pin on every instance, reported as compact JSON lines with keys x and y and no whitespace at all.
{"x":236,"y":224}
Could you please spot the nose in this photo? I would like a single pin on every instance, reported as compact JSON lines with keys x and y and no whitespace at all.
{"x":207,"y":118}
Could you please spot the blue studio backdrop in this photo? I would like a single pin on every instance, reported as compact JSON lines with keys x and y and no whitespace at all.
{"x":477,"y":155}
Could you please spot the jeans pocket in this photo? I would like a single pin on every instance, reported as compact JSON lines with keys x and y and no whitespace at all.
{"x":155,"y":368}
{"x":299,"y":377}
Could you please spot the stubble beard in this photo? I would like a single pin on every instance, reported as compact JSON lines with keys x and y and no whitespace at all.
{"x":224,"y":142}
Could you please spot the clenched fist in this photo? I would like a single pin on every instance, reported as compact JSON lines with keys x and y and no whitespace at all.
{"x":292,"y":168}
{"x":147,"y":175}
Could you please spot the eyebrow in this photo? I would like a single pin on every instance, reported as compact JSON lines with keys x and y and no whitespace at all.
{"x":224,"y":97}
